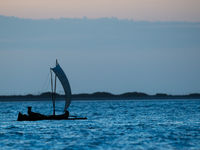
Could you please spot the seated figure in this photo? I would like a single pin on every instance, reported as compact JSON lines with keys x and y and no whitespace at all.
{"x":38,"y":116}
{"x":66,"y":114}
{"x":35,"y":115}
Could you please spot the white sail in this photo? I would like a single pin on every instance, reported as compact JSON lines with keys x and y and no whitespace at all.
{"x":65,"y":83}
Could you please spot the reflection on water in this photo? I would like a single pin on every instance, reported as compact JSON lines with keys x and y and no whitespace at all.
{"x":111,"y":125}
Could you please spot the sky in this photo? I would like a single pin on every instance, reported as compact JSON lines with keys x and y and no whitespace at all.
{"x":149,"y":46}
{"x":149,"y":10}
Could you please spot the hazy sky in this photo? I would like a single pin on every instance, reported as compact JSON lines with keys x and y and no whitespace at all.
{"x":100,"y":55}
{"x":107,"y":54}
{"x":151,"y":10}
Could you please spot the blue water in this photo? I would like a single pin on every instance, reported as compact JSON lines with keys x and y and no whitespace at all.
{"x":150,"y":124}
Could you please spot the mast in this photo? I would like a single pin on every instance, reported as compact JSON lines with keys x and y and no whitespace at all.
{"x":52,"y":93}
{"x":55,"y":92}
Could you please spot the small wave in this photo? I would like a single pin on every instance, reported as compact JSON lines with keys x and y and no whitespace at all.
{"x":12,"y":127}
{"x":17,"y":133}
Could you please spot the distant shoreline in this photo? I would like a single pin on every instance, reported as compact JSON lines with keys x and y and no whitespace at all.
{"x":98,"y":96}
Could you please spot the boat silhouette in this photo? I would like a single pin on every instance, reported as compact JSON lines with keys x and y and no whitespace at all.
{"x":33,"y":116}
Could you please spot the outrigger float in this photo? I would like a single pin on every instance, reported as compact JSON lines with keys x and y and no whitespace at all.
{"x":32,"y":116}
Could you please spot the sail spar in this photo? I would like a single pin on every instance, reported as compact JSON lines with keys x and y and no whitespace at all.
{"x":65,"y":84}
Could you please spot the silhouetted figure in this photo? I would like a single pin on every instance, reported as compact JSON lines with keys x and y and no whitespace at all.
{"x":35,"y":115}
{"x":66,"y":114}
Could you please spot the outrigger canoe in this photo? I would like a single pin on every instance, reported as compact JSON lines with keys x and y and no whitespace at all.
{"x":24,"y":117}
{"x":60,"y":74}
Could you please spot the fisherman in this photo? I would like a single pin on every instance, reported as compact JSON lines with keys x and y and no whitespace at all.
{"x":35,"y":115}
{"x":66,"y":113}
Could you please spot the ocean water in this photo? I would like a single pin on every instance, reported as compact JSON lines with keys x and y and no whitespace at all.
{"x":131,"y":124}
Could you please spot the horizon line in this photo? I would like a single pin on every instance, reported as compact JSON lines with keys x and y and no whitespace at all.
{"x":99,"y":18}
{"x":38,"y":94}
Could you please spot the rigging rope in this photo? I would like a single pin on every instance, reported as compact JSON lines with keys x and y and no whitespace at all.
{"x":46,"y":83}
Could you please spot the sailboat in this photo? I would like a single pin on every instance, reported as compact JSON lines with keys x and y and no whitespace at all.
{"x":60,"y":74}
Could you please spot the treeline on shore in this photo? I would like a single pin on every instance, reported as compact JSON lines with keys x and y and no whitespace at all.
{"x":98,"y":96}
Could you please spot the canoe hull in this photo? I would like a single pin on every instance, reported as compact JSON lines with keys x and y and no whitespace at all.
{"x":24,"y":117}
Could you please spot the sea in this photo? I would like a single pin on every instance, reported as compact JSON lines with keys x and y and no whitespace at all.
{"x":111,"y":124}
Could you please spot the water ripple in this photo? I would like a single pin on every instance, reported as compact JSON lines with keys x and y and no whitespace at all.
{"x":110,"y":125}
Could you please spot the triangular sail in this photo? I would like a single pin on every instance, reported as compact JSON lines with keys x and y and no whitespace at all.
{"x":65,"y":83}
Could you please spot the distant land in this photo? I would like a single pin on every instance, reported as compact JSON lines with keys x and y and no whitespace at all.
{"x":98,"y":96}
